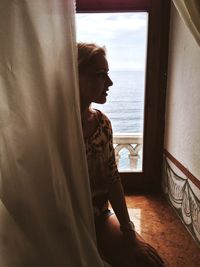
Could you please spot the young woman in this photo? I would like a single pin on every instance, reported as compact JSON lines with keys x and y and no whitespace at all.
{"x":118,"y":242}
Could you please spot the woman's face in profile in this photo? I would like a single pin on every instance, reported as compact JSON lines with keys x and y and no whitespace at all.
{"x":95,"y":82}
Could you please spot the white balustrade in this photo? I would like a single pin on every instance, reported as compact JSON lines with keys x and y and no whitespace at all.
{"x":131,"y":142}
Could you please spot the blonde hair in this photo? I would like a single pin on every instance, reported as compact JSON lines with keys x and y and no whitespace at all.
{"x":86,"y":52}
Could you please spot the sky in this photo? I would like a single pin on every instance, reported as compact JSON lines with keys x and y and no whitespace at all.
{"x":123,"y":34}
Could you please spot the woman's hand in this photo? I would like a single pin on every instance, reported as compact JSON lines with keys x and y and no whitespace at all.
{"x":143,"y":253}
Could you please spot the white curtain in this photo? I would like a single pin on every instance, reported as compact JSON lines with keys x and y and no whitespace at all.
{"x":189,"y":10}
{"x":45,"y":207}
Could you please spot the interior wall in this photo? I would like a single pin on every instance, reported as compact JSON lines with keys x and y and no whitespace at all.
{"x":181,"y":171}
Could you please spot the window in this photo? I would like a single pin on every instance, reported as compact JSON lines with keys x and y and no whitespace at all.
{"x":125,"y":37}
{"x":148,"y":175}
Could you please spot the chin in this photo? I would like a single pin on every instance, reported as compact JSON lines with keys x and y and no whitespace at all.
{"x":103,"y":101}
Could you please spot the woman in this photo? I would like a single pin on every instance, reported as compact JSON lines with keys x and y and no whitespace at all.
{"x":118,"y":242}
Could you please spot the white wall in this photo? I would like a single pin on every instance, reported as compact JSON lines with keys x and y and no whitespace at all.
{"x":182,"y":128}
{"x":182,"y":134}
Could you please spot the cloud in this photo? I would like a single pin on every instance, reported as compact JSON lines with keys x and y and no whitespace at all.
{"x":124,"y":35}
{"x":113,"y":21}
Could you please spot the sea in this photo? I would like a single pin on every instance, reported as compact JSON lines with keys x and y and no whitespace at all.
{"x":125,"y":105}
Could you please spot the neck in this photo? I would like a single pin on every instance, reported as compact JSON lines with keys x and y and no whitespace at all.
{"x":85,"y":113}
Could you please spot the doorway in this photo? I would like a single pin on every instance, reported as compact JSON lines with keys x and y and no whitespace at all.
{"x":148,"y":175}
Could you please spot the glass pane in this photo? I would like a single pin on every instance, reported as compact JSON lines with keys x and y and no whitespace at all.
{"x":125,"y":38}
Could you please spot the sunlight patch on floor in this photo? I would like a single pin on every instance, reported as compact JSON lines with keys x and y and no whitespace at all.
{"x":135,"y":216}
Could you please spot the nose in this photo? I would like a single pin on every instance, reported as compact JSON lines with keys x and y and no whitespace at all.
{"x":109,"y":81}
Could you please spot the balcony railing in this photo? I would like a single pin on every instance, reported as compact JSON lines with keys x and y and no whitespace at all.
{"x":131,"y":143}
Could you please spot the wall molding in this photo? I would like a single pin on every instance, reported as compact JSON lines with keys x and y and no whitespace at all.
{"x":181,"y":195}
{"x":184,"y":170}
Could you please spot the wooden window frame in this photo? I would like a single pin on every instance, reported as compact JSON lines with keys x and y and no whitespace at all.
{"x":156,"y":80}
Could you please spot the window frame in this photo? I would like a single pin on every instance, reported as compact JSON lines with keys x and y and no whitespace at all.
{"x":156,"y":81}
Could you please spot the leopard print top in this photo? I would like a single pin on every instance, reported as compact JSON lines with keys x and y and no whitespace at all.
{"x":101,"y":163}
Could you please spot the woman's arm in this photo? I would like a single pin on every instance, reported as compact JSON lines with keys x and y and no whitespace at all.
{"x":144,"y":253}
{"x":117,"y":201}
{"x":116,"y":192}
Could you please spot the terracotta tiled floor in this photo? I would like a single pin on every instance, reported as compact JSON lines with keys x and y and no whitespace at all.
{"x":159,"y":225}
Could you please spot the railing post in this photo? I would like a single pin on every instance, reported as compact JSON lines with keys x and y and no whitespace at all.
{"x":133,"y":161}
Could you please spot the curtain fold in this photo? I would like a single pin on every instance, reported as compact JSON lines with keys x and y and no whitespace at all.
{"x":189,"y":11}
{"x":45,"y":206}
